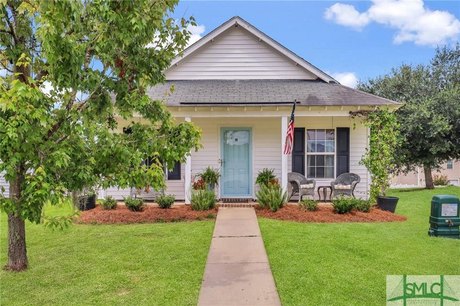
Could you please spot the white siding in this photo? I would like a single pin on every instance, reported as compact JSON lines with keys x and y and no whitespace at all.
{"x":358,"y":144}
{"x":266,"y":136}
{"x":175,"y":187}
{"x":237,"y":54}
{"x":114,"y":192}
{"x":266,"y":143}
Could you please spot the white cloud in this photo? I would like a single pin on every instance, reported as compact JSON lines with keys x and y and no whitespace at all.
{"x":412,"y":21}
{"x":347,"y":15}
{"x":346,"y":78}
{"x":197,"y":32}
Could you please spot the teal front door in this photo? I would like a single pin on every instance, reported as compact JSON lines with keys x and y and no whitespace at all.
{"x":236,"y":162}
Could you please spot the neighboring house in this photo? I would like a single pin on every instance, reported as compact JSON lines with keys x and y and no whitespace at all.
{"x":4,"y":187}
{"x":451,"y":169}
{"x":238,"y":85}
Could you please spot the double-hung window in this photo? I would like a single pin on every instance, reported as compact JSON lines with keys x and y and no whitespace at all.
{"x":320,"y":153}
{"x":172,"y":175}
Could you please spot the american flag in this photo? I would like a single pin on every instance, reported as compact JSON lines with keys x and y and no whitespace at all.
{"x":290,"y":133}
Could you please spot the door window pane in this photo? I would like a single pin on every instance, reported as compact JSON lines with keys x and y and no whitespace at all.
{"x":237,"y":138}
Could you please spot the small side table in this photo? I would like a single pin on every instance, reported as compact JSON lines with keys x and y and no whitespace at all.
{"x":324,"y":189}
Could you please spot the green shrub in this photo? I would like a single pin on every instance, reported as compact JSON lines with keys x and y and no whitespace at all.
{"x":108,"y":203}
{"x":271,"y":196}
{"x":265,"y":176}
{"x":362,"y":205}
{"x":165,"y":200}
{"x":134,"y":204}
{"x":343,"y":205}
{"x":309,"y":204}
{"x":440,"y":180}
{"x":203,"y":199}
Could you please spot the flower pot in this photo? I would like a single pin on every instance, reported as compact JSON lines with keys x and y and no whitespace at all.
{"x":387,"y":203}
{"x":87,"y":202}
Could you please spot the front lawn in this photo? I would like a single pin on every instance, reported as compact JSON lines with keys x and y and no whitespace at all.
{"x":347,"y":263}
{"x":142,"y":264}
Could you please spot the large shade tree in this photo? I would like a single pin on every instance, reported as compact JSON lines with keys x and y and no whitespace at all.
{"x":430,"y":117}
{"x":70,"y":72}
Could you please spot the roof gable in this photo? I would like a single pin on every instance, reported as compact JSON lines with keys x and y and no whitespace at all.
{"x":237,"y":50}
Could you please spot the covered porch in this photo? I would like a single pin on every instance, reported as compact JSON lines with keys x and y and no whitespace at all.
{"x":240,"y":141}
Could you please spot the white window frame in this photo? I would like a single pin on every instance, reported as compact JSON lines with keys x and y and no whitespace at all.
{"x":451,"y":162}
{"x":334,"y":154}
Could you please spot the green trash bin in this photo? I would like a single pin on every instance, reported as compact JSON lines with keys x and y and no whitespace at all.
{"x":445,"y":216}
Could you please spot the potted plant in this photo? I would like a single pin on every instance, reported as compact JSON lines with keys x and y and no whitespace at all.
{"x":210,"y":176}
{"x":379,"y":157}
{"x":265,"y":176}
{"x":87,"y":201}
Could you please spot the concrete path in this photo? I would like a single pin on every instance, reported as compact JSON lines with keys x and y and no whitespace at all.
{"x":237,"y":270}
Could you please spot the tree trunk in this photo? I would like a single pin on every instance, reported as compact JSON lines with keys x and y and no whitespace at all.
{"x":17,"y":252}
{"x":428,"y":177}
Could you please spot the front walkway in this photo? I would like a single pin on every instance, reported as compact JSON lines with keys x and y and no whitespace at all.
{"x":237,"y":270}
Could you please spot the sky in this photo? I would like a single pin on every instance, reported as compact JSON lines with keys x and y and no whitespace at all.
{"x":350,"y":40}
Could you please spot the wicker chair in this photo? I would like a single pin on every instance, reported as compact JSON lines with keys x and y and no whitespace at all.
{"x":300,"y":185}
{"x":345,"y":184}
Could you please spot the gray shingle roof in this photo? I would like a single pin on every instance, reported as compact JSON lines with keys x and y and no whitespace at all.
{"x":262,"y":92}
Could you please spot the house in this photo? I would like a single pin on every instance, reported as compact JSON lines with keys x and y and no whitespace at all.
{"x":238,"y":85}
{"x":450,"y":169}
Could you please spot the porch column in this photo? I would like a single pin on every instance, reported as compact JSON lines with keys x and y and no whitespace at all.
{"x":188,"y":173}
{"x":284,"y":157}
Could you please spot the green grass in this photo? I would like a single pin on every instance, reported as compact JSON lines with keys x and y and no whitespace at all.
{"x":347,"y":264}
{"x":144,"y":264}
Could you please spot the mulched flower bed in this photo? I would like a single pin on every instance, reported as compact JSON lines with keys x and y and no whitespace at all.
{"x":151,"y":214}
{"x":325,"y":214}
